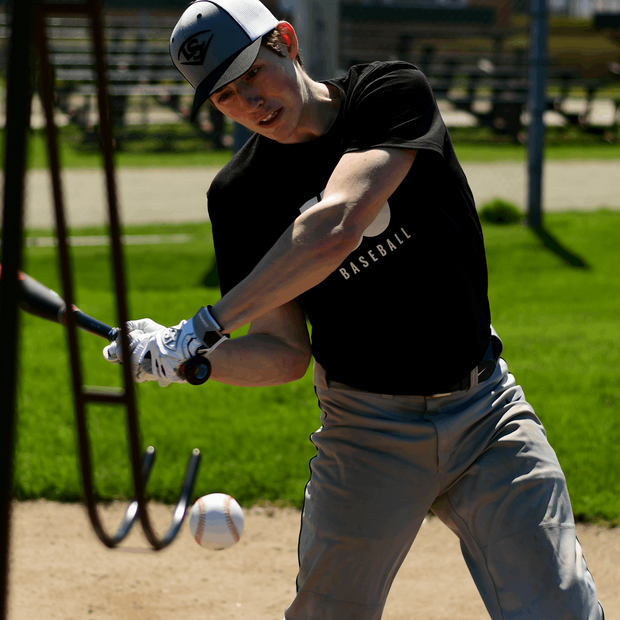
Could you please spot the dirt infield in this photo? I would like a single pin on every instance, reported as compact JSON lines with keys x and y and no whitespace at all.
{"x":59,"y":570}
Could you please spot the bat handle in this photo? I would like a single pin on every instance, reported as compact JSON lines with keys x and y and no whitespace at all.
{"x":196,"y":370}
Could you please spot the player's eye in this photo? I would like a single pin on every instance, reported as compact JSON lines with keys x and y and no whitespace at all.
{"x":223,"y":96}
{"x":252,"y":73}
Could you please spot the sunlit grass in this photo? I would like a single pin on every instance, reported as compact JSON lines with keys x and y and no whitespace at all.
{"x":560,"y":327}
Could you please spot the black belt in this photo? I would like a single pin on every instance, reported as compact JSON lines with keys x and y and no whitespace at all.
{"x":484,"y":369}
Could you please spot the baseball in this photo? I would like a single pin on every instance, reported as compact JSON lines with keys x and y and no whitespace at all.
{"x":216,"y":521}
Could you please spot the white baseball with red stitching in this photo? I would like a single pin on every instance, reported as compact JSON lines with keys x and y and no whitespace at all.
{"x":216,"y":521}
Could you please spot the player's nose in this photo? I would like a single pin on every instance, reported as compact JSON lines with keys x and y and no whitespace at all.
{"x":250,"y":97}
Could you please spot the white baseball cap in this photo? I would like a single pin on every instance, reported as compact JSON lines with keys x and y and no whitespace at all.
{"x":217,"y":41}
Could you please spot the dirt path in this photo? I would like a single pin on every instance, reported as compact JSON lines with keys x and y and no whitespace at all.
{"x":59,"y":570}
{"x":179,"y":195}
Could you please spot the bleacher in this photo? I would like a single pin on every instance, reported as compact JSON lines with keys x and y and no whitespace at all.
{"x":470,"y":57}
{"x":466,"y":51}
{"x":138,"y":65}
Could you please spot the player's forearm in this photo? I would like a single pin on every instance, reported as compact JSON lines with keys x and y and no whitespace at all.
{"x":258,"y":360}
{"x":311,"y":249}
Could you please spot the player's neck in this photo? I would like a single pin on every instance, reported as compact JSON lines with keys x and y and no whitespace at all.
{"x":321,"y":106}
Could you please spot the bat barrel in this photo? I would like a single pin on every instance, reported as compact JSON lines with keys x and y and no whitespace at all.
{"x":39,"y":300}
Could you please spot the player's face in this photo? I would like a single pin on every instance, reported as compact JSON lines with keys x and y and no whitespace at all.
{"x":268,"y":99}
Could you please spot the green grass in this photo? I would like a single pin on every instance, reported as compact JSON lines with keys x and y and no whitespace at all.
{"x":480,"y":144}
{"x":559,"y":325}
{"x":159,"y":147}
{"x":469,"y":152}
{"x":254,"y":442}
{"x":165,"y":147}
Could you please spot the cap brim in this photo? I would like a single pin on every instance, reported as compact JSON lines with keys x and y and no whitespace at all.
{"x":227,"y":72}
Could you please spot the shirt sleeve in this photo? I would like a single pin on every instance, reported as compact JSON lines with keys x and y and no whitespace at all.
{"x":392,"y":105}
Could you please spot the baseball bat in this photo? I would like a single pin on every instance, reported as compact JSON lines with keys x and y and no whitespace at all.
{"x":37,"y":299}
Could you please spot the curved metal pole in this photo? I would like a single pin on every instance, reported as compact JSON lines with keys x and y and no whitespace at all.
{"x":132,"y":509}
{"x":182,"y":503}
{"x":115,"y":235}
{"x":141,"y":466}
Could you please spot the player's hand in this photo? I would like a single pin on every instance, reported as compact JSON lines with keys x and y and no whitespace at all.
{"x":171,"y":347}
{"x":141,"y":366}
{"x":165,"y":350}
{"x":137,"y":331}
{"x":158,"y":353}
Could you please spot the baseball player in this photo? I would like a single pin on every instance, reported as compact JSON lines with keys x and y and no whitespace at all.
{"x":348,"y":206}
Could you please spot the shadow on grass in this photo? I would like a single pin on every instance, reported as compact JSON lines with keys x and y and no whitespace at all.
{"x":550,"y":242}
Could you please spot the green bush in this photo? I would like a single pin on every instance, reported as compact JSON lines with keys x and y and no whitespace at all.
{"x":500,"y":211}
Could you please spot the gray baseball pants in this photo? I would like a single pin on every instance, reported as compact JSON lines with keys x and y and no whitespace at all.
{"x":480,"y":460}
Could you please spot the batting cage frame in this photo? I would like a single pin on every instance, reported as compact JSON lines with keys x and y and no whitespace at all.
{"x":29,"y":48}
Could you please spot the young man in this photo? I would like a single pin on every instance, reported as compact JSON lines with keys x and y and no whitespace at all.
{"x":348,"y":205}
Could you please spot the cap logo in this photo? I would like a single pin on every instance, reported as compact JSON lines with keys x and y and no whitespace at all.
{"x":194,"y":49}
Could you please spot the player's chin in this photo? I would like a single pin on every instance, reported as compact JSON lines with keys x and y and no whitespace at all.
{"x":268,"y":132}
{"x":278,"y":129}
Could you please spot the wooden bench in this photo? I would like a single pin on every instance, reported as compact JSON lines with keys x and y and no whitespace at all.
{"x":463,"y":53}
{"x":461,"y":50}
{"x":497,"y":94}
{"x":608,"y":21}
{"x":384,"y":32}
{"x":138,"y":65}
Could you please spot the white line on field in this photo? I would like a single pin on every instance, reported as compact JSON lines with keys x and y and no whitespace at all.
{"x":51,"y":242}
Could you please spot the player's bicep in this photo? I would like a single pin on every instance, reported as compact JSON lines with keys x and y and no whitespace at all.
{"x":363,"y":181}
{"x":288,"y":324}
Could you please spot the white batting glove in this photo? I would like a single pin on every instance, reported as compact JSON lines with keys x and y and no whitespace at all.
{"x":171,"y":347}
{"x":113,"y":353}
{"x":141,"y":363}
{"x":139,"y":333}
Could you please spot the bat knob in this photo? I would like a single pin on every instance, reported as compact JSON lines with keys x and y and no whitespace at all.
{"x":196,"y":370}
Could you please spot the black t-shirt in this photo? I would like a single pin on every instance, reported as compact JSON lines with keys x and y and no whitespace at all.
{"x":407,"y":311}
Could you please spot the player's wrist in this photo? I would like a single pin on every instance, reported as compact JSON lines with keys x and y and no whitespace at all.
{"x":208,"y":330}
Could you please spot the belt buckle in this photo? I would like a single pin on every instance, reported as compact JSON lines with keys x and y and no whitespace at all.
{"x":470,"y":381}
{"x":441,"y":395}
{"x":477,"y":375}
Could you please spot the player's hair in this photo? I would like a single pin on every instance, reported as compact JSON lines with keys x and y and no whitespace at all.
{"x":273,"y":41}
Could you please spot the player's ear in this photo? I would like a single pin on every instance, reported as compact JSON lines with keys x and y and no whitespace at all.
{"x":288,"y":39}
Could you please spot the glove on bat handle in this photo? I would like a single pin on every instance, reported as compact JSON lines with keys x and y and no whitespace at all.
{"x":195,"y":370}
{"x":37,"y":299}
